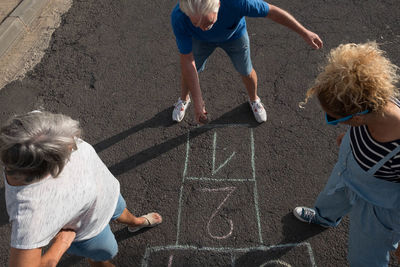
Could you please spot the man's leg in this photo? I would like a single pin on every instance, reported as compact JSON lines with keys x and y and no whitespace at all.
{"x":184,"y":90}
{"x":239,"y":53}
{"x":250,"y":82}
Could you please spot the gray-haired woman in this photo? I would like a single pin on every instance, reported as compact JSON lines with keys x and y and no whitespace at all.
{"x":58,"y":190}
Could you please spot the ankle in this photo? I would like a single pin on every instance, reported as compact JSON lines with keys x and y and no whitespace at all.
{"x":185,"y":98}
{"x":253,"y":99}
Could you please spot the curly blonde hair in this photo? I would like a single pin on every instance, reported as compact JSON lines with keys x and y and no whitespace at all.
{"x":357,"y":77}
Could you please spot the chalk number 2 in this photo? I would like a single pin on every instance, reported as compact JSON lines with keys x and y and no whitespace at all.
{"x":230,"y":190}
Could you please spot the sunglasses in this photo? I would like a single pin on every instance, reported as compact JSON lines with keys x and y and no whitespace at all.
{"x":333,"y":121}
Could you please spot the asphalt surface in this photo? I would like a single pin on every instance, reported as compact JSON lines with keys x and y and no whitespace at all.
{"x":226,"y":191}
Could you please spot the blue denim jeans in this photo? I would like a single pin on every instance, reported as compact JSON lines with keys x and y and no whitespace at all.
{"x":371,"y":203}
{"x":238,"y":51}
{"x":103,"y":246}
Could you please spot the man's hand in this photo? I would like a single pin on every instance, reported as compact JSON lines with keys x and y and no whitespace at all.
{"x":283,"y":17}
{"x":200,"y":114}
{"x":313,"y":39}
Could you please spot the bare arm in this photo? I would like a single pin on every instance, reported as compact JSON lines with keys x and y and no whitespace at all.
{"x":191,"y":81}
{"x":34,"y":257}
{"x":282,"y":17}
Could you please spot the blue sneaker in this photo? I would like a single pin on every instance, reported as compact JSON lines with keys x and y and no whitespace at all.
{"x":307,"y":215}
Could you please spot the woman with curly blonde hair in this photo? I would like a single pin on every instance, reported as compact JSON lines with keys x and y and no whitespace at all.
{"x":358,"y":87}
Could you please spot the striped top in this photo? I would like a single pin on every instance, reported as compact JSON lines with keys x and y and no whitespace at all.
{"x":367,"y":152}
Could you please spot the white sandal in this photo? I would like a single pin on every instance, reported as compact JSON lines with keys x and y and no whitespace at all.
{"x":151,"y":222}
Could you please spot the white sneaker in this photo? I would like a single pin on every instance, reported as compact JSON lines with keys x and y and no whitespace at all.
{"x":180,"y":110}
{"x":258,"y":110}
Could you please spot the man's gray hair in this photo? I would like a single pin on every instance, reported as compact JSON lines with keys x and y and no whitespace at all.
{"x":198,"y":7}
{"x":36,"y":144}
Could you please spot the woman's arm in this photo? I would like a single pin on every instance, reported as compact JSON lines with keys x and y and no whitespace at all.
{"x":34,"y":258}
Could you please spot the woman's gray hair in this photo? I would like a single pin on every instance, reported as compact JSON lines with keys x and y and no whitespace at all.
{"x":198,"y":7}
{"x":36,"y":144}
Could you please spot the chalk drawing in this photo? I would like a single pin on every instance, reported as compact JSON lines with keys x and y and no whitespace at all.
{"x":206,"y":179}
{"x":195,"y":249}
{"x":255,"y":194}
{"x":224,"y":125}
{"x":276,"y":262}
{"x":214,"y":171}
{"x":170,"y":260}
{"x":178,"y":227}
{"x":230,"y":190}
{"x":233,"y":251}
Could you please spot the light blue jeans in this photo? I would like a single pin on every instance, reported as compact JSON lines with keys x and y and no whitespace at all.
{"x":238,"y":51}
{"x":102,"y":247}
{"x":371,"y":203}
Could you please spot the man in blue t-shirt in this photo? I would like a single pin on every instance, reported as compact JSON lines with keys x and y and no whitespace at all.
{"x":200,"y":26}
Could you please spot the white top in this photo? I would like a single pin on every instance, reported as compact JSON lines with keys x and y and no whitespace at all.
{"x":82,"y":198}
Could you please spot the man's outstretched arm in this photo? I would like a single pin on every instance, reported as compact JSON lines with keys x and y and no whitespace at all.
{"x":282,"y":17}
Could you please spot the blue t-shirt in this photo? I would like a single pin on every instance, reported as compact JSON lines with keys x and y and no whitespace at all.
{"x":230,"y":24}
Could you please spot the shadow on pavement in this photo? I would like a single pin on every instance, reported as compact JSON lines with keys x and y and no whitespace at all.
{"x":161,"y":119}
{"x":239,"y":116}
{"x":120,"y":235}
{"x":3,"y":210}
{"x":68,"y":260}
{"x":294,"y":232}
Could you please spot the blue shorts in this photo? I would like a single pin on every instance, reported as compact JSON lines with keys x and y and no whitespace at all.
{"x":238,"y":51}
{"x":103,"y":246}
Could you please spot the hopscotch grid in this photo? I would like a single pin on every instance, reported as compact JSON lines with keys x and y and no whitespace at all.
{"x":219,"y":179}
{"x":231,"y":125}
{"x":181,"y":190}
{"x":253,"y":166}
{"x":231,"y":250}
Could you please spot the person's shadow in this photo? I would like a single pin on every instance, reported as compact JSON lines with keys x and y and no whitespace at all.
{"x":161,"y":119}
{"x":294,"y":232}
{"x":239,"y":116}
{"x":3,"y":210}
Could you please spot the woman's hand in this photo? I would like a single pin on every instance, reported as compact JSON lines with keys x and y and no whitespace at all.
{"x":340,"y":138}
{"x":65,"y":236}
{"x":61,"y":242}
